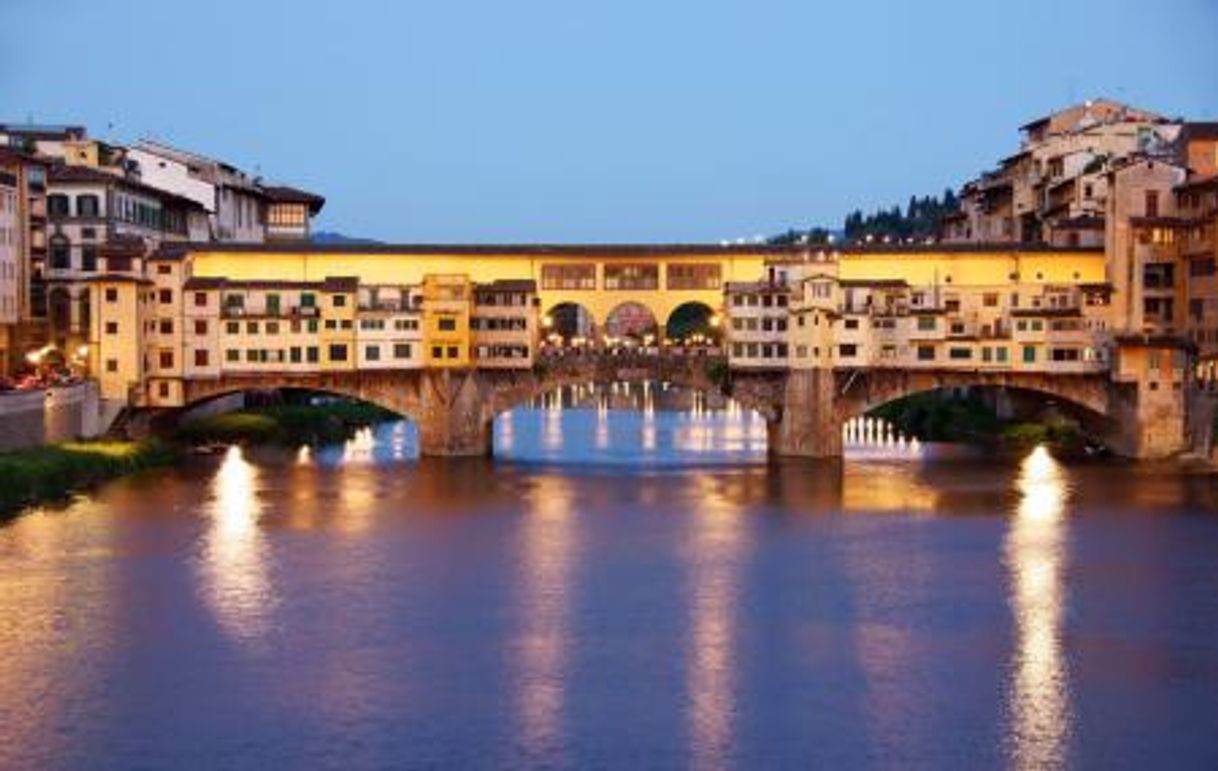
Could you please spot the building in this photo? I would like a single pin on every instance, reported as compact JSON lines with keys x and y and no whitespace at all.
{"x":91,"y":210}
{"x":289,"y":213}
{"x":240,"y":207}
{"x":11,"y":238}
{"x":24,"y":246}
{"x":757,"y":317}
{"x":1055,"y":186}
{"x":504,"y":326}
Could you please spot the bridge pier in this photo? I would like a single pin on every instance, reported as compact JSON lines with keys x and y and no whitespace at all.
{"x":808,"y":425}
{"x":453,"y":416}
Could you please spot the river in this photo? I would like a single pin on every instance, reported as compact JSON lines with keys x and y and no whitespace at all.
{"x":618,"y":589}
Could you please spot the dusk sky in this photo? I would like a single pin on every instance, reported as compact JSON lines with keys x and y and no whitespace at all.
{"x":631,"y":120}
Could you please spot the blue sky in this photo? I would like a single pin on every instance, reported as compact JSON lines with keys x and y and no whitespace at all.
{"x":626,"y":120}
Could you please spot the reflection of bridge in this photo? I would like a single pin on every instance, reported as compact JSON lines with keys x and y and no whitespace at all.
{"x":804,"y":409}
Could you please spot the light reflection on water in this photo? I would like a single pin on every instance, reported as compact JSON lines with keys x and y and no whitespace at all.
{"x":542,"y":653}
{"x":235,"y":579}
{"x":582,"y":601}
{"x":717,"y":545}
{"x":1035,"y":555}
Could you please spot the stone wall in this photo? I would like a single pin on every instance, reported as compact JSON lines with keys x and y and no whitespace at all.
{"x":30,"y":418}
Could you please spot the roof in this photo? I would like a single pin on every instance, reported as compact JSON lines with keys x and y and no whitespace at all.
{"x":1160,"y":222}
{"x":1153,"y":341}
{"x":1199,"y":183}
{"x":754,"y":286}
{"x":43,"y":130}
{"x":328,"y":284}
{"x":284,"y":194}
{"x":625,"y":251}
{"x":9,"y":155}
{"x":878,"y":283}
{"x":1046,"y":312}
{"x":66,"y":174}
{"x":1200,"y":130}
{"x":1081,"y":222}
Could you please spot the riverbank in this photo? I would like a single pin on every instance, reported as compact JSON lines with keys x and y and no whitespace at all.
{"x":57,"y":472}
{"x":285,"y":424}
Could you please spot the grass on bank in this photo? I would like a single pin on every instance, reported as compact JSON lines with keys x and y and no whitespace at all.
{"x":55,"y":472}
{"x":289,"y":424}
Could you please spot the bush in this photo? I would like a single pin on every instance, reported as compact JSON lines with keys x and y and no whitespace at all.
{"x":291,"y":424}
{"x":55,"y":472}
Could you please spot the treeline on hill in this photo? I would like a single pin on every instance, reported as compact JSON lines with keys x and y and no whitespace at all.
{"x":919,"y":220}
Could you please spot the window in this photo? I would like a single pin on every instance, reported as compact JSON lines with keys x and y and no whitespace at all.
{"x":88,"y":258}
{"x":112,"y":365}
{"x":1064,"y":354}
{"x":437,"y":352}
{"x":851,"y":323}
{"x":111,"y":295}
{"x":372,"y":353}
{"x":166,"y":326}
{"x":340,"y":300}
{"x":200,"y":326}
{"x":401,"y":350}
{"x":232,"y":355}
{"x":251,"y":327}
{"x":452,"y":352}
{"x":166,"y":359}
{"x":694,"y":276}
{"x":1152,"y":203}
{"x":958,"y":354}
{"x":989,"y":299}
{"x":200,"y":357}
{"x":308,"y":300}
{"x":568,"y":277}
{"x":447,"y":325}
{"x":294,"y":354}
{"x":338,"y":351}
{"x":311,"y":354}
{"x":272,"y":304}
{"x":1000,"y":354}
{"x":848,"y":350}
{"x":632,"y":276}
{"x":1029,"y":354}
{"x":58,"y":205}
{"x":165,"y":296}
{"x":61,"y":254}
{"x":926,"y":353}
{"x":272,"y":327}
{"x":232,"y":327}
{"x":111,"y":327}
{"x":200,"y":299}
{"x":926,"y":323}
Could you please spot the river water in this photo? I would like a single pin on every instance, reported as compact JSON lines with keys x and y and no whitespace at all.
{"x":617,"y":590}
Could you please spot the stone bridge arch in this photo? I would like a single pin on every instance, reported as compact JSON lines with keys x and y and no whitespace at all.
{"x":707,"y":373}
{"x":819,"y":402}
{"x":399,"y":392}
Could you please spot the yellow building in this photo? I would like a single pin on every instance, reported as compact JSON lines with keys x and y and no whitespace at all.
{"x":446,"y":312}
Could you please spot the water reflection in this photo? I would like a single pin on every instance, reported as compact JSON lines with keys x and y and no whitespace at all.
{"x":541,"y":664}
{"x":717,"y":544}
{"x":1039,"y":697}
{"x":234,"y":572}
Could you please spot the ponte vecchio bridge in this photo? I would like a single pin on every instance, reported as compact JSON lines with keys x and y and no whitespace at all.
{"x":810,"y":337}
